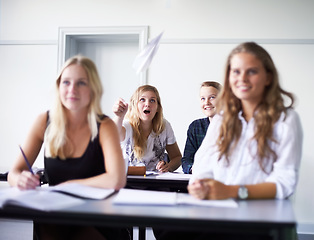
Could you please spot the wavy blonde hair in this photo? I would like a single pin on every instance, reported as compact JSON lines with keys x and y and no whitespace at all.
{"x":55,"y":135}
{"x":140,"y":144}
{"x":266,"y":113}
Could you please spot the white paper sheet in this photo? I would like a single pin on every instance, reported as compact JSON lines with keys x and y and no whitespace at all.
{"x":40,"y":200}
{"x":81,"y":191}
{"x":146,"y":197}
{"x":52,"y":198}
{"x":174,"y":176}
{"x":145,"y":57}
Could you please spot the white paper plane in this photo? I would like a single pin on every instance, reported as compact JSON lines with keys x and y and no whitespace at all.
{"x":145,"y":57}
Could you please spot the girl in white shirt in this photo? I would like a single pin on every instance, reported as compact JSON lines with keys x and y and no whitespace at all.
{"x":146,"y":136}
{"x":253,"y":148}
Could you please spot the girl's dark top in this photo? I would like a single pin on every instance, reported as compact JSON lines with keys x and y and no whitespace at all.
{"x":90,"y":164}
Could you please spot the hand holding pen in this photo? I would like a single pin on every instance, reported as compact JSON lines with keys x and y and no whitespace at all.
{"x":162,"y":166}
{"x":27,"y":179}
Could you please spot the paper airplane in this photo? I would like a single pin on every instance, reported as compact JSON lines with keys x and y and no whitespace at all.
{"x":145,"y":57}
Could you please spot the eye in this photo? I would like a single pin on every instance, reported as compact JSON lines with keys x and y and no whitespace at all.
{"x":212,"y":97}
{"x":142,"y":99}
{"x":82,"y":83}
{"x":252,"y":71}
{"x":202,"y":99}
{"x":65,"y":82}
{"x":235,"y":71}
{"x":152,"y":100}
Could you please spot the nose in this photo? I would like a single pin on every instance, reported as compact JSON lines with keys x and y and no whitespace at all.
{"x":72,"y":87}
{"x":243,"y":77}
{"x":209,"y":101}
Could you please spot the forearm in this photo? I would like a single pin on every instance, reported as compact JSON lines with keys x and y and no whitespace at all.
{"x":212,"y":189}
{"x":105,"y":180}
{"x":174,"y":156}
{"x":265,"y":190}
{"x":119,"y":123}
{"x":174,"y":163}
{"x":255,"y":191}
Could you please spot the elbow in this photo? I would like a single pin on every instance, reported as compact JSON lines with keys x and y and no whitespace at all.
{"x":119,"y":183}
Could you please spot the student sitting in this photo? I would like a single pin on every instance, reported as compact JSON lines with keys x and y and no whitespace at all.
{"x":253,"y":147}
{"x":81,"y":146}
{"x":146,"y":135}
{"x":197,"y":129}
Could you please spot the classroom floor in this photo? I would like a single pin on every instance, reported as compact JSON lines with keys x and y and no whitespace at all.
{"x":16,"y":229}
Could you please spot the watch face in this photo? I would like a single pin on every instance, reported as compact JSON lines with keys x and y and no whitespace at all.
{"x":243,"y":192}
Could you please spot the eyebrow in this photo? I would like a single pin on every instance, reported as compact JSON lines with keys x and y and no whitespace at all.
{"x":148,"y":97}
{"x":66,"y":78}
{"x":209,"y":95}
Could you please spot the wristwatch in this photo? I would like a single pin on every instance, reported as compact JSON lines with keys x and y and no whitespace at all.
{"x":243,"y":192}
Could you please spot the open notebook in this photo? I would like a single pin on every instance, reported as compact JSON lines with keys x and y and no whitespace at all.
{"x":146,"y":197}
{"x":52,"y":198}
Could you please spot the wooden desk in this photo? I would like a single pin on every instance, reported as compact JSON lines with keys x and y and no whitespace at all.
{"x":159,"y":184}
{"x":273,"y":217}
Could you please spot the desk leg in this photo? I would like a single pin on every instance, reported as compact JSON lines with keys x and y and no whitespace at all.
{"x":141,"y":233}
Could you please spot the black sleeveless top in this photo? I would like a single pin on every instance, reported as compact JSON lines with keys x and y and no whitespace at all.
{"x":90,"y":164}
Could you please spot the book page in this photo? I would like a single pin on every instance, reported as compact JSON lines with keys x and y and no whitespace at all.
{"x":82,"y":191}
{"x":174,"y":176}
{"x":35,"y":199}
{"x":144,"y":197}
{"x":185,"y":198}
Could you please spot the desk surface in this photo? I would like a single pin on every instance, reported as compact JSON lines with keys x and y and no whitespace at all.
{"x":254,"y":215}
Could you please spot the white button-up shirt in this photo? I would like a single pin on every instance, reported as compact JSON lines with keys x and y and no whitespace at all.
{"x":243,"y":167}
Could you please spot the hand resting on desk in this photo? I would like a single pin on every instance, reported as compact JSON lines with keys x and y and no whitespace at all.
{"x":209,"y":189}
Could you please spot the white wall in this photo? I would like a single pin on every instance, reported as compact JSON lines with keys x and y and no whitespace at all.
{"x":198,"y":36}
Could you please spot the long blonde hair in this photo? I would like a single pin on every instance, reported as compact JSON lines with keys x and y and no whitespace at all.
{"x":133,"y":117}
{"x":55,"y":135}
{"x":266,"y":113}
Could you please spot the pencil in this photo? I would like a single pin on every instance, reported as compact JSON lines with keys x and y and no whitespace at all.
{"x":26,"y":161}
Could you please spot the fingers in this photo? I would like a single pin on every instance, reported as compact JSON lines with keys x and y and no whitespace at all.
{"x":199,"y":189}
{"x":27,"y":180}
{"x":120,"y":107}
{"x":208,"y":189}
{"x":162,"y":166}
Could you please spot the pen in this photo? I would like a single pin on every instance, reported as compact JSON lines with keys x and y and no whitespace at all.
{"x":150,"y":174}
{"x":27,"y":162}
